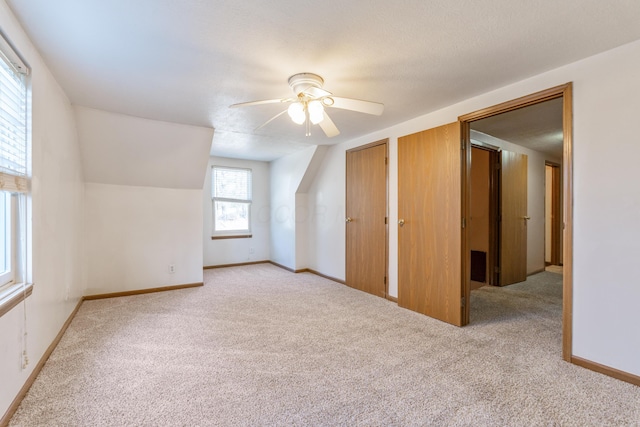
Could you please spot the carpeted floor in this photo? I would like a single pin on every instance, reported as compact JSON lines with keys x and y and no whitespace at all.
{"x":259,"y":346}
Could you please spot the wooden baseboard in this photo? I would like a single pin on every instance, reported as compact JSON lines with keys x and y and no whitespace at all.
{"x":342,"y":282}
{"x":309,"y":270}
{"x":34,"y":374}
{"x":208,"y":267}
{"x":284,"y":267}
{"x":606,"y":370}
{"x":143,"y":291}
{"x":536,"y":272}
{"x":392,"y":299}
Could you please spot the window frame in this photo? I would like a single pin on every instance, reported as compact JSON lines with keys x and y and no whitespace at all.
{"x":15,"y":179}
{"x":237,"y":233}
{"x":7,"y":277}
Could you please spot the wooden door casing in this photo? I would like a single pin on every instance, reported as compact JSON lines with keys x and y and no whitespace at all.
{"x":430,"y":239}
{"x":556,"y":215}
{"x":564,"y":91}
{"x":366,"y":227}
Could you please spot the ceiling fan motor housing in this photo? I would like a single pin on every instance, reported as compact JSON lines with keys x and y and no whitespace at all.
{"x":302,"y":81}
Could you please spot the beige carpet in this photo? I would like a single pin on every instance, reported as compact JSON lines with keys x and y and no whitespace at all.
{"x":259,"y":346}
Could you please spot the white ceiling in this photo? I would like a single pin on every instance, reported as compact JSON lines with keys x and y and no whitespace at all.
{"x":537,"y":127}
{"x":187,"y":61}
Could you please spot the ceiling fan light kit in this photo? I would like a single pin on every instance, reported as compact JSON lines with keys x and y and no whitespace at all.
{"x":297,"y":113}
{"x":316,"y":111}
{"x":308,"y":106}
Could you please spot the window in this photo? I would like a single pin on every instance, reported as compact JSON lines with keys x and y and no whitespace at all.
{"x":7,"y":247}
{"x":14,"y":180}
{"x":231,"y":195}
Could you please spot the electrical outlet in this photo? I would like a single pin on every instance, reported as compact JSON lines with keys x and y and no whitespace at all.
{"x":172,"y":268}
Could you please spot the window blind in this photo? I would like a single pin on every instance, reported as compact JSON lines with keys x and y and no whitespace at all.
{"x":13,"y":120}
{"x":231,"y":183}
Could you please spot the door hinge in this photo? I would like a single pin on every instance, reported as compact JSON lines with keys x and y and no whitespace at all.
{"x":463,"y":145}
{"x":386,"y":160}
{"x":463,"y":301}
{"x":464,"y":222}
{"x":497,"y":270}
{"x":498,"y":166}
{"x":385,"y":219}
{"x":385,"y":280}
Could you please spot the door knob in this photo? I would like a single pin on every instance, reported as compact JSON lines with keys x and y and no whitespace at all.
{"x":401,"y":222}
{"x":526,"y":217}
{"x":348,"y":219}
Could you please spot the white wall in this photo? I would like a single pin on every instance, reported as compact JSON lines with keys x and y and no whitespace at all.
{"x":535,"y":197}
{"x":287,"y":178}
{"x":234,"y":251}
{"x":326,"y":221}
{"x":606,"y":198}
{"x":57,"y":221}
{"x":143,"y":200}
{"x":133,"y":234}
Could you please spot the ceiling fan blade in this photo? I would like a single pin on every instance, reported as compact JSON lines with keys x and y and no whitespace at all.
{"x":267,"y":101}
{"x":271,"y":119}
{"x":367,"y":107}
{"x":328,"y":127}
{"x":316,"y":92}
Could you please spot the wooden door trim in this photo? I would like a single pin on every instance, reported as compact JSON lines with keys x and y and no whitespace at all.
{"x":465,"y":207}
{"x":566,"y":92}
{"x":384,"y":142}
{"x":493,"y":278}
{"x":369,"y":145}
{"x":556,"y":212}
{"x":515,"y":104}
{"x":567,"y":247}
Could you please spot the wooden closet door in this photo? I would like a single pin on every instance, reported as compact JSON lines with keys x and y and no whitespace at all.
{"x":430,"y":223}
{"x":513,"y":234}
{"x":366,"y":228}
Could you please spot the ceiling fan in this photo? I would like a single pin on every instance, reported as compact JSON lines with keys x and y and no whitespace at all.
{"x":308,"y":105}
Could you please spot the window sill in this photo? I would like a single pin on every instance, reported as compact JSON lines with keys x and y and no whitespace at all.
{"x":238,"y":236}
{"x":13,"y":296}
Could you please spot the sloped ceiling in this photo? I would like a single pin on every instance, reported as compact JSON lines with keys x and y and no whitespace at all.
{"x":124,"y":150}
{"x":187,"y":61}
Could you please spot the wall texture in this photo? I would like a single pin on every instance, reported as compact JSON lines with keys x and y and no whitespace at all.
{"x":133,"y":234}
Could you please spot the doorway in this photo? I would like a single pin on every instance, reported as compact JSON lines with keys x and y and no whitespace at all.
{"x":498,"y":215}
{"x":563,"y":95}
{"x":484,"y":230}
